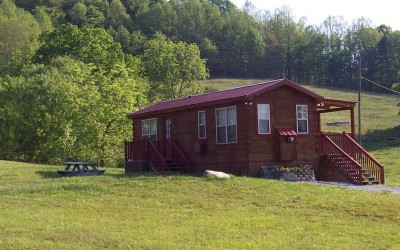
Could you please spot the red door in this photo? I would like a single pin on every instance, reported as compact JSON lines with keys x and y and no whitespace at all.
{"x":167,"y":138}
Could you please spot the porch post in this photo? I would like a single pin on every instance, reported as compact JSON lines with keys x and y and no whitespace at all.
{"x":352,"y":122}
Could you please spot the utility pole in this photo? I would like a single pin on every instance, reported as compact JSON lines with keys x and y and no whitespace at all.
{"x":359,"y":100}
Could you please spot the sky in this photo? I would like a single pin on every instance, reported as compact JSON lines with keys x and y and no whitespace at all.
{"x":379,"y":12}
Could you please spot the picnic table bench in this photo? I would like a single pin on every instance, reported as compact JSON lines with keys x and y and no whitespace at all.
{"x":80,"y":168}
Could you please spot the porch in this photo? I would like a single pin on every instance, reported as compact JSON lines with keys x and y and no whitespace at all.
{"x":155,"y":156}
{"x":343,"y":153}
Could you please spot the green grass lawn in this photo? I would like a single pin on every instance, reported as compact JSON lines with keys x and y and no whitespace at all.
{"x":379,"y":115}
{"x":41,"y":210}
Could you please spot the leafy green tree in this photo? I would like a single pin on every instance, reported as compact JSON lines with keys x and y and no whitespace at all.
{"x":43,"y":19}
{"x":173,"y":69}
{"x":283,"y":34}
{"x":161,"y":17}
{"x":90,"y":45}
{"x":396,"y":86}
{"x":18,"y":34}
{"x":117,"y":14}
{"x":94,"y":17}
{"x":191,"y":24}
{"x":310,"y":63}
{"x":64,"y":110}
{"x":223,"y":5}
{"x":123,"y":37}
{"x":77,"y":14}
{"x":138,"y":41}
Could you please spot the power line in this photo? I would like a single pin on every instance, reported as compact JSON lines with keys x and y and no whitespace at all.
{"x":379,"y":85}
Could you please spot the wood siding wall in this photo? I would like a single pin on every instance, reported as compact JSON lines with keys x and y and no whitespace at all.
{"x":265,"y":149}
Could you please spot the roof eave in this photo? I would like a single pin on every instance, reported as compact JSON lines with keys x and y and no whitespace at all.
{"x":290,"y":84}
{"x":134,"y":115}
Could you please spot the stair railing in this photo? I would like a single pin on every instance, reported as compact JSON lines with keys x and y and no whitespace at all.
{"x":332,"y":150}
{"x":153,"y":156}
{"x":134,"y":150}
{"x":179,"y":156}
{"x":374,"y":167}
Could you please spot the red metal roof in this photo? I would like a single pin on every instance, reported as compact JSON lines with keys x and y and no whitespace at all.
{"x":286,"y":131}
{"x":242,"y":92}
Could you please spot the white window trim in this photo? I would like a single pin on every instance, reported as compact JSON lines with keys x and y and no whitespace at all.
{"x":226,"y":131}
{"x":198,"y":124}
{"x":297,"y":120}
{"x":269,"y":119}
{"x":149,"y":134}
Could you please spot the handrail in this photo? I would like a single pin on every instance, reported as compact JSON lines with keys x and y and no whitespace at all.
{"x":127,"y":149}
{"x":154,"y":156}
{"x":364,"y":151}
{"x":358,"y":178}
{"x":342,"y":151}
{"x":134,"y":150}
{"x":379,"y":175}
{"x":179,"y":156}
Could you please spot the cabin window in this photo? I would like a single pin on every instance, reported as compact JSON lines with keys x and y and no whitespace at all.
{"x":226,"y":125}
{"x":263,"y":119}
{"x":149,"y":129}
{"x":202,"y":124}
{"x":302,"y":119}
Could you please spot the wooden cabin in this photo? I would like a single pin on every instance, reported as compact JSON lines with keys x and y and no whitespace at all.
{"x":240,"y":129}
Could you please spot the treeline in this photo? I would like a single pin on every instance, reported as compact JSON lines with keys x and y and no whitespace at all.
{"x":243,"y":42}
{"x":65,"y":90}
{"x":71,"y":69}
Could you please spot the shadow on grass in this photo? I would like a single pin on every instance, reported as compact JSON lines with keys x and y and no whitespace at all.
{"x":141,"y":175}
{"x":48,"y":174}
{"x":381,"y":139}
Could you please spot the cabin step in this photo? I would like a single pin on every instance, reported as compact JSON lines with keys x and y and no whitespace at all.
{"x":172,"y":166}
{"x":350,"y":170}
{"x":366,"y":182}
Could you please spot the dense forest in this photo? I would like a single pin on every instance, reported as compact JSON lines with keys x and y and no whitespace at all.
{"x":71,"y":69}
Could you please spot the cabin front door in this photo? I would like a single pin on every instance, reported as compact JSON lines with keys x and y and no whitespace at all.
{"x":167,"y":138}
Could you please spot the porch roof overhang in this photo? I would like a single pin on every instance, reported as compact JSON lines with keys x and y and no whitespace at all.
{"x":332,"y":105}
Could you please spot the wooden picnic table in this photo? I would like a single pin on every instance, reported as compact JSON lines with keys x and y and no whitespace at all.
{"x":80,"y":168}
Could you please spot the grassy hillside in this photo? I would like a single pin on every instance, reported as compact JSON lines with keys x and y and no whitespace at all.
{"x":40,"y":210}
{"x":379,"y":116}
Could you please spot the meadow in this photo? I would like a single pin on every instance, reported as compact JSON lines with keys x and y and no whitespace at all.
{"x":41,"y":210}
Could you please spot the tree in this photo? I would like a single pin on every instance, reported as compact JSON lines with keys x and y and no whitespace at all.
{"x":117,"y":13}
{"x":18,"y":34}
{"x":94,"y":17}
{"x":43,"y":20}
{"x":160,"y":18}
{"x":174,"y":69}
{"x":396,"y":86}
{"x":78,"y":14}
{"x":282,"y":35}
{"x":90,"y":45}
{"x":65,"y":110}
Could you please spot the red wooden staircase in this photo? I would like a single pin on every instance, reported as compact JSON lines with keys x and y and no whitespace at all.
{"x":351,"y":160}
